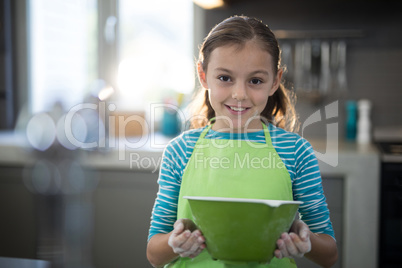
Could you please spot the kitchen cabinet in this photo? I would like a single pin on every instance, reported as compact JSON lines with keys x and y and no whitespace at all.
{"x":122,"y":205}
{"x":6,"y":66}
{"x":359,"y":167}
{"x":334,"y":189}
{"x":17,"y":210}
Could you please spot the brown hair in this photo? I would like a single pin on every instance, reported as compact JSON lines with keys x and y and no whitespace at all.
{"x":238,"y":30}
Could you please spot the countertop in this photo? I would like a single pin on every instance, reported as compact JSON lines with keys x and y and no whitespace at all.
{"x":131,"y":153}
{"x":145,"y":154}
{"x":23,"y":263}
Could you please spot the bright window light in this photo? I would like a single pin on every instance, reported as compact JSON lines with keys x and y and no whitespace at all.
{"x":156,"y":51}
{"x":62,"y":49}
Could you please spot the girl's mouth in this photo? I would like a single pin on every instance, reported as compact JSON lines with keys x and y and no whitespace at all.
{"x":237,"y":110}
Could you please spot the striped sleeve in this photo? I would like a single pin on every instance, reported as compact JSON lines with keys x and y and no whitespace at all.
{"x":307,"y":187}
{"x":284,"y":144}
{"x":174,"y":160}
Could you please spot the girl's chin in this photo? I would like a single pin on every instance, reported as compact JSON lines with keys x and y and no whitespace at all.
{"x":237,"y":126}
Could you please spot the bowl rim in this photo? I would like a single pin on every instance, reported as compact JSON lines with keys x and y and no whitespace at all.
{"x":268,"y":202}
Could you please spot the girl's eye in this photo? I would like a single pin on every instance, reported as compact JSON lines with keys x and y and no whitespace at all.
{"x":255,"y":81}
{"x":224,"y":78}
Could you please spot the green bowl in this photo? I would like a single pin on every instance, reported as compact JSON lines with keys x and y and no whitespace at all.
{"x":239,"y":230}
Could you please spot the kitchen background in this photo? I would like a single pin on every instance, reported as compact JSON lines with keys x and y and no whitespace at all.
{"x":374,"y":59}
{"x":370,"y":30}
{"x":118,"y":209}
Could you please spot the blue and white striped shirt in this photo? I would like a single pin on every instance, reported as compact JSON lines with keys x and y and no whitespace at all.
{"x":295,"y":152}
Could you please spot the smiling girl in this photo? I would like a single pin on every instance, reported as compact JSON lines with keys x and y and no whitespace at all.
{"x":243,"y":100}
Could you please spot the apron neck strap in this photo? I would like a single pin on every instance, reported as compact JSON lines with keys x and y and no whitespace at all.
{"x":265,"y":128}
{"x":266,"y":134}
{"x":205,"y":131}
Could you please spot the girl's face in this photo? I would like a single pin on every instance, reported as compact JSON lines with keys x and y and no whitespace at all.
{"x":239,"y":80}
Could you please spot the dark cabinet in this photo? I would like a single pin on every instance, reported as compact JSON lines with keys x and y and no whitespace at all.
{"x":121,"y":209}
{"x":6,"y":65}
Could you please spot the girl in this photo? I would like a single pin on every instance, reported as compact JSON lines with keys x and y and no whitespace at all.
{"x":246,"y":108}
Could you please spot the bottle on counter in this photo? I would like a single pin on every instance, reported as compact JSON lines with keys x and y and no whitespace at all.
{"x":351,"y":120}
{"x":364,"y":123}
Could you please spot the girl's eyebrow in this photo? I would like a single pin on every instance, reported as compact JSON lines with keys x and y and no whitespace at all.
{"x":221,"y":69}
{"x":260,"y":72}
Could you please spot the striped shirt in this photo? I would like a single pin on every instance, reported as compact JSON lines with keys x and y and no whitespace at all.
{"x":295,"y":152}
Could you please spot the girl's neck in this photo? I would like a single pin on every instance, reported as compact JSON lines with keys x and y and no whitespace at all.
{"x":253,"y":127}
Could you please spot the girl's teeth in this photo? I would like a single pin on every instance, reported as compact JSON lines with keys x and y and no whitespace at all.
{"x":237,"y":109}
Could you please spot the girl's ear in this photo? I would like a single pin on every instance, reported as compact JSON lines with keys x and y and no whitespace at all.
{"x":277,"y":82}
{"x":202,"y":75}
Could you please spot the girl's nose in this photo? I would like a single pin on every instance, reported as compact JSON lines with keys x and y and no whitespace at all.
{"x":239,"y":92}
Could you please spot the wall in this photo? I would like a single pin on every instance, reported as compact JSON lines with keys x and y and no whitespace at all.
{"x":374,"y":61}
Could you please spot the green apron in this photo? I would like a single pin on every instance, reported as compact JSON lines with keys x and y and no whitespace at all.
{"x":232,"y":168}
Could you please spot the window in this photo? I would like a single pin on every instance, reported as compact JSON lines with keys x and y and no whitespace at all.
{"x":154,"y":54}
{"x":62,"y":51}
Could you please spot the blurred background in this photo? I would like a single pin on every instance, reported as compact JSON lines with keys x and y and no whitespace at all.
{"x":92,"y":90}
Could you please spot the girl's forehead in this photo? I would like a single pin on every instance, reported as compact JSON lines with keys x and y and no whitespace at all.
{"x":236,"y":46}
{"x":250,"y":47}
{"x":249,"y":52}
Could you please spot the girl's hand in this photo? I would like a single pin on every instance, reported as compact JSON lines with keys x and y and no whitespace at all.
{"x":296,"y":243}
{"x":185,"y":239}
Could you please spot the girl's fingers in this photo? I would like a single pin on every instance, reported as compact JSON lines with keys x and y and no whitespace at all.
{"x":278,"y":254}
{"x":303,"y":246}
{"x":290,"y":246}
{"x":193,"y":242}
{"x":188,"y":243}
{"x":298,"y":240}
{"x":304,"y":232}
{"x":195,"y":246}
{"x":298,"y":246}
{"x":185,"y":242}
{"x":178,"y":241}
{"x":198,"y":251}
{"x":282,"y":246}
{"x":178,"y":227}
